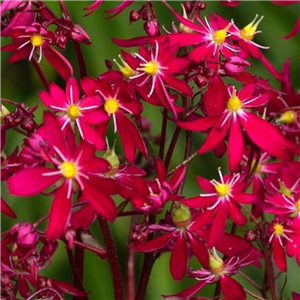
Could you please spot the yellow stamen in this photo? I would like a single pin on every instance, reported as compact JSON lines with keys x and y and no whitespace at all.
{"x":111,"y":105}
{"x":151,"y":68}
{"x":125,"y":69}
{"x":68,"y":169}
{"x":278,"y":229}
{"x":36,"y":40}
{"x":223,"y":189}
{"x":73,"y":111}
{"x":183,"y":28}
{"x":219,"y":36}
{"x":248,"y":31}
{"x":234,"y":103}
{"x":288,"y":117}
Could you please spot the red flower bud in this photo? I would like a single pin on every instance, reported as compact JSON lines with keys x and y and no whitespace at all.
{"x":25,"y":234}
{"x":152,"y":27}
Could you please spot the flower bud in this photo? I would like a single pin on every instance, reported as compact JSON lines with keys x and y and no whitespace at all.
{"x":25,"y":234}
{"x":61,"y":41}
{"x":181,"y":216}
{"x":216,"y":264}
{"x":134,"y":16}
{"x":79,"y":34}
{"x":201,"y":81}
{"x":111,"y":156}
{"x":152,"y":27}
{"x":235,"y":64}
{"x":28,"y":124}
{"x":188,"y":6}
{"x":200,"y":5}
{"x":250,"y":236}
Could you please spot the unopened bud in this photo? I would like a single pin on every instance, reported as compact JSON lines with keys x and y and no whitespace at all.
{"x":134,"y":16}
{"x":188,"y":6}
{"x":28,"y":124}
{"x":26,"y":234}
{"x":250,"y":236}
{"x":183,"y":28}
{"x":181,"y":216}
{"x":201,"y":81}
{"x":111,"y":156}
{"x":216,"y":264}
{"x":152,"y":27}
{"x":236,"y":64}
{"x":79,"y":34}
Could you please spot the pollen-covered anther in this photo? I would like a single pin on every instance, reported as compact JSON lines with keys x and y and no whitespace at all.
{"x":125,"y":69}
{"x":73,"y":112}
{"x":278,"y":229}
{"x":223,"y":189}
{"x":68,"y":169}
{"x":151,"y":68}
{"x":249,"y":31}
{"x":234,"y":103}
{"x":219,"y":36}
{"x":36,"y":40}
{"x":288,"y":117}
{"x":111,"y":105}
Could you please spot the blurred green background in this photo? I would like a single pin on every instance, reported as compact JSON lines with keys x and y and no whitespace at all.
{"x":19,"y":82}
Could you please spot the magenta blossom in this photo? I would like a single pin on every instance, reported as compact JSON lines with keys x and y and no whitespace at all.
{"x":72,"y":109}
{"x":35,"y":39}
{"x":72,"y":170}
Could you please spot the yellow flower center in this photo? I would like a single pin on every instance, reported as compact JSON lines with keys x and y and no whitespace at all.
{"x":68,"y":169}
{"x":278,"y":229}
{"x":248,"y":31}
{"x":223,"y":189}
{"x":219,"y":36}
{"x":288,"y":117}
{"x":234,"y":103}
{"x":111,"y":105}
{"x":151,"y":68}
{"x":73,"y":111}
{"x":297,"y":206}
{"x":36,"y":40}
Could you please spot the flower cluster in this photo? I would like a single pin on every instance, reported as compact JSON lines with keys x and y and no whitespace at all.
{"x":199,"y":75}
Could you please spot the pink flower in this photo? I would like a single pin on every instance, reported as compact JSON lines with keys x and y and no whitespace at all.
{"x":35,"y":39}
{"x":72,"y":109}
{"x":73,"y":169}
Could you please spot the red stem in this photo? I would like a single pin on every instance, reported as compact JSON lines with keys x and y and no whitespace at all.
{"x":40,"y":73}
{"x":172,"y":147}
{"x":112,"y":257}
{"x":163,"y":134}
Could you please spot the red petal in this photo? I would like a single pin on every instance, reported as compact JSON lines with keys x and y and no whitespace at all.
{"x":29,"y":182}
{"x":279,"y":255}
{"x":72,"y":87}
{"x":176,"y":178}
{"x":178,"y":84}
{"x":294,"y":31}
{"x":218,"y":227}
{"x":5,"y":209}
{"x":58,"y":61}
{"x":202,"y":124}
{"x":59,"y":213}
{"x":91,"y":135}
{"x":245,"y":198}
{"x":235,"y":144}
{"x":267,"y":137}
{"x":179,"y":258}
{"x":200,"y":201}
{"x":231,"y":289}
{"x":101,"y":202}
{"x":154,"y":244}
{"x":236,"y":214}
{"x":199,"y":250}
{"x":187,"y":293}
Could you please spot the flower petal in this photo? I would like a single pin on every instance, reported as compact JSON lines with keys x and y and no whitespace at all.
{"x":231,"y":289}
{"x":59,"y":213}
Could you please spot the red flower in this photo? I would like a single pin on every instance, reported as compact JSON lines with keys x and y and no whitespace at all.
{"x":36,"y":39}
{"x":236,"y":119}
{"x":179,"y":238}
{"x":71,"y":109}
{"x":222,"y":198}
{"x":157,"y":66}
{"x":73,"y":168}
{"x":117,"y":102}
